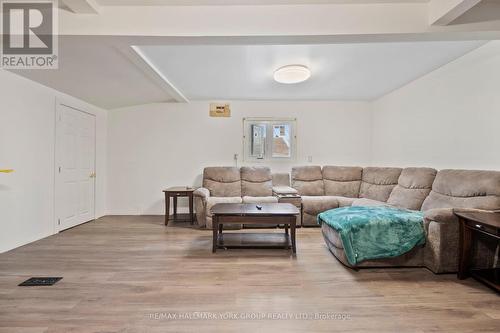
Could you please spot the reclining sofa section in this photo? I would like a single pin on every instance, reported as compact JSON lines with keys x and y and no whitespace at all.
{"x":234,"y":185}
{"x":437,"y":194}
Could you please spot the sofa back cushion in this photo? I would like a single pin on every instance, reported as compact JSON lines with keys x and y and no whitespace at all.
{"x":414,"y":185}
{"x":465,"y":189}
{"x":308,"y":180}
{"x":342,"y":181}
{"x":222,"y":181}
{"x":256,"y":181}
{"x":378,"y":183}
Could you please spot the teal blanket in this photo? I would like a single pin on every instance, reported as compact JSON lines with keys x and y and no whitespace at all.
{"x":375,"y":232}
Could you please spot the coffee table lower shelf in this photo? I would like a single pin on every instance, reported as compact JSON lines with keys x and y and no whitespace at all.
{"x":233,"y":240}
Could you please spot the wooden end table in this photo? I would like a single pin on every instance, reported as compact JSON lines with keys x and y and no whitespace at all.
{"x":472,"y":223}
{"x":270,"y":213}
{"x":174,"y":193}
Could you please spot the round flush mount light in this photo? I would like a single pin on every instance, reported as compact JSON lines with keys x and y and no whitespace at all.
{"x":292,"y":74}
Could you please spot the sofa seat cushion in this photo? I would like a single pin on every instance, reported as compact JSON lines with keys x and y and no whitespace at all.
{"x":344,"y":201}
{"x":212,"y":201}
{"x":342,"y":181}
{"x":314,"y":205}
{"x":257,"y":200}
{"x":368,"y":202}
{"x":378,"y":183}
{"x":222,"y":181}
{"x":308,"y":180}
{"x":256,"y":181}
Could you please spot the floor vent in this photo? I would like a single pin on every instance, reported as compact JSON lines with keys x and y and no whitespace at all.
{"x":40,"y":281}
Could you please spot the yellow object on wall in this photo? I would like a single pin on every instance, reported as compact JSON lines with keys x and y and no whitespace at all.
{"x":6,"y":170}
{"x":220,"y":110}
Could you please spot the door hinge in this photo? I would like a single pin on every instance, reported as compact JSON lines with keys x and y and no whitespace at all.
{"x":58,"y":221}
{"x":59,"y":169}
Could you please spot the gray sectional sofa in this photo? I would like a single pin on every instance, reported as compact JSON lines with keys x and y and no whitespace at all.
{"x":436,"y":193}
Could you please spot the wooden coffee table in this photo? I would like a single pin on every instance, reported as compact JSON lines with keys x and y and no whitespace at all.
{"x":270,"y":213}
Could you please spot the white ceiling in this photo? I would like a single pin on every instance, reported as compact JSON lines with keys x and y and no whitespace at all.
{"x":239,"y":2}
{"x":96,"y":71}
{"x":339,"y":71}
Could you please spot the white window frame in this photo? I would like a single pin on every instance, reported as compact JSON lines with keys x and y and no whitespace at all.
{"x":269,"y":122}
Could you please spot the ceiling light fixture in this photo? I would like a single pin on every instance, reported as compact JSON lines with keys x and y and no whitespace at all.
{"x":292,"y":74}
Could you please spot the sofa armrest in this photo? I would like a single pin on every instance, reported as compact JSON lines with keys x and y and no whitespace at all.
{"x":284,"y":190}
{"x":447,"y":215}
{"x":474,"y":210}
{"x":441,"y":215}
{"x":202,"y":193}
{"x":442,"y":229}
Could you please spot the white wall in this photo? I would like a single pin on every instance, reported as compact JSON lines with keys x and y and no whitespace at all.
{"x":151,"y":147}
{"x":27,"y":137}
{"x":449,"y":118}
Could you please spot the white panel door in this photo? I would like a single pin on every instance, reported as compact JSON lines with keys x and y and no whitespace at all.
{"x":75,"y":167}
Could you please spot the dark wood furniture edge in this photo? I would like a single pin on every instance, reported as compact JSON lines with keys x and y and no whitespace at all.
{"x":174,"y":193}
{"x":466,"y":232}
{"x":253,"y":217}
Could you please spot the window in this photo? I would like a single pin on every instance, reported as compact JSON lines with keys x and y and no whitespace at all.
{"x":267,"y":139}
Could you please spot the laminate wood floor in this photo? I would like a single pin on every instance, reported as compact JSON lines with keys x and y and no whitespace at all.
{"x":132,"y":274}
